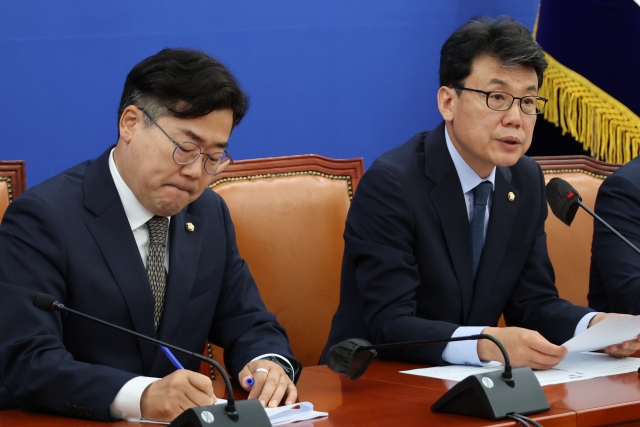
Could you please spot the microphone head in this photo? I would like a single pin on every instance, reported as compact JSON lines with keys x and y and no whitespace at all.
{"x":44,"y":301}
{"x":563,"y":199}
{"x":349,"y":359}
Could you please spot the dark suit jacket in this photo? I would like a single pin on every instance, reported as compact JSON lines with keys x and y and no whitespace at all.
{"x":407,"y":271}
{"x":70,"y":237}
{"x":615,"y":267}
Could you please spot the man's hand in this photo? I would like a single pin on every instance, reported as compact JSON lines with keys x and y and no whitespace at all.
{"x":624,"y":349}
{"x":525,"y":348}
{"x":268,"y":388}
{"x":167,"y":398}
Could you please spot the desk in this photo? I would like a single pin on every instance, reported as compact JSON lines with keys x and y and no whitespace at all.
{"x":384,"y":397}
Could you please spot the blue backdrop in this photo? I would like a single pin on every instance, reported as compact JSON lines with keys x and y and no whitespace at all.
{"x":340,"y":78}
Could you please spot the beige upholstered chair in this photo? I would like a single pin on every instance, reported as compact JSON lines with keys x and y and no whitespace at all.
{"x":289,"y":214}
{"x":570,"y":247}
{"x":13,"y":182}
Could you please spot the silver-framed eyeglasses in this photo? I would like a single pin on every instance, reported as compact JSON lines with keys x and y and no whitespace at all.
{"x":188,"y":152}
{"x":502,"y":101}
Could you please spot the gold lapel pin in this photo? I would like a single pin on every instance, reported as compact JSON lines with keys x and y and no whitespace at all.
{"x":189,"y":226}
{"x":511,"y":196}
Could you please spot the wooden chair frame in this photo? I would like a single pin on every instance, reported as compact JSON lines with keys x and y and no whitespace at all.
{"x":351,"y":169}
{"x":13,"y":172}
{"x":578,"y":163}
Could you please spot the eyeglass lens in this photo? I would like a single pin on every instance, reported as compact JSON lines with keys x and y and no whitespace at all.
{"x":187,"y":152}
{"x":501,"y":101}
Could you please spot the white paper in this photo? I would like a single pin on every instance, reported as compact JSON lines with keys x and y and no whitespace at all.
{"x":575,"y":367}
{"x":281,"y":415}
{"x":610,"y":330}
{"x":295,"y":412}
{"x":453,"y":372}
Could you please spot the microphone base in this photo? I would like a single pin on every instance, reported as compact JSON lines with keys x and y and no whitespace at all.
{"x":488,"y":396}
{"x":250,"y":414}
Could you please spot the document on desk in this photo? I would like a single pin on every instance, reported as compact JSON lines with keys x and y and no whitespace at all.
{"x":575,"y":367}
{"x":610,"y":330}
{"x":281,"y":415}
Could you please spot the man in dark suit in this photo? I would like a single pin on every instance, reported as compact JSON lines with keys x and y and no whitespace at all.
{"x":427,"y":255}
{"x":615,"y":267}
{"x":87,"y":236}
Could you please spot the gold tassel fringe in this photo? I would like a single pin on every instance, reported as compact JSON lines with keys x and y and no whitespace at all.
{"x":606,"y":128}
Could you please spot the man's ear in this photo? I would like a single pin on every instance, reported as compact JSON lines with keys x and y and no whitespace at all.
{"x":130,"y":121}
{"x":447,"y":97}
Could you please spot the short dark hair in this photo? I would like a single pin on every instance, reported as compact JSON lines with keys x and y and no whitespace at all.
{"x":184,"y":83}
{"x":503,"y":38}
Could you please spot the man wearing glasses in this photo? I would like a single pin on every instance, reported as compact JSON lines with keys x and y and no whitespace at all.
{"x":446,"y":232}
{"x":135,"y":238}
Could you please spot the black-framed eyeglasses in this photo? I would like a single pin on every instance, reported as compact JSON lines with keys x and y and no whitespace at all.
{"x":188,"y":152}
{"x":502,"y":101}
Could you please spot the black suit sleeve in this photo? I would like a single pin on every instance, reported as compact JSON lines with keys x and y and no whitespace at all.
{"x":379,"y":242}
{"x":35,"y":366}
{"x":618,"y":203}
{"x":534,"y":303}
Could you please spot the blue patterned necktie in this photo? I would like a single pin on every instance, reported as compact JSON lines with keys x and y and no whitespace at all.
{"x":157,"y":227}
{"x":480,"y":198}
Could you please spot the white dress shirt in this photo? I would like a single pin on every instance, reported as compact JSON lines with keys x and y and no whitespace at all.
{"x":466,"y":352}
{"x":126,"y":404}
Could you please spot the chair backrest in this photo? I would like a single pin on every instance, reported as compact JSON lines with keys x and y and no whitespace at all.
{"x":289,"y":214}
{"x":13,"y":182}
{"x":570,"y":247}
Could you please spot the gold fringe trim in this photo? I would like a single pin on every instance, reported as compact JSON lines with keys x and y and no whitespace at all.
{"x":535,"y":24}
{"x":608,"y":129}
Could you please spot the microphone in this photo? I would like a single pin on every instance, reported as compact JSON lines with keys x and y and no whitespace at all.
{"x":253,"y":414}
{"x":492,"y":395}
{"x":564,"y":201}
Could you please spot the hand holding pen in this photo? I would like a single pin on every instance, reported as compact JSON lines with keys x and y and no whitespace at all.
{"x":168,"y":397}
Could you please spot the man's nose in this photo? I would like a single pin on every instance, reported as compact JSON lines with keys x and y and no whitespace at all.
{"x":513,"y":115}
{"x":194,"y":169}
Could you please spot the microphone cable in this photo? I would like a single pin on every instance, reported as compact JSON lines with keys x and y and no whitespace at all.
{"x":523,"y":420}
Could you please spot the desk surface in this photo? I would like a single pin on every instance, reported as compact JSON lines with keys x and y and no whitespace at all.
{"x":383,"y":395}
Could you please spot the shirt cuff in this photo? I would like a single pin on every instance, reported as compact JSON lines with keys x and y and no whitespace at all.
{"x":463,"y":352}
{"x":583,"y":324}
{"x":126,"y":405}
{"x":284,"y":363}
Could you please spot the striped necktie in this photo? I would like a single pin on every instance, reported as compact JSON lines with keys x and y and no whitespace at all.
{"x":157,"y":227}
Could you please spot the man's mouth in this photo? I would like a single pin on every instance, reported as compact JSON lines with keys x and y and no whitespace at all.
{"x":185,"y":189}
{"x":509,"y":140}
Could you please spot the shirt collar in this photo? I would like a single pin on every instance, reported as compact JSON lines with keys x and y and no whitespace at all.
{"x":469,"y":179}
{"x":137,"y":214}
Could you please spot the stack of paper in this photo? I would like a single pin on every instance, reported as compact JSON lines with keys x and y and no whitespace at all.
{"x":611,"y":330}
{"x":575,"y":367}
{"x":290,"y":413}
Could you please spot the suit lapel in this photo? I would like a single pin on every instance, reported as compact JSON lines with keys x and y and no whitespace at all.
{"x":448,"y":201}
{"x":501,"y":220}
{"x":111,"y":231}
{"x":184,"y":255}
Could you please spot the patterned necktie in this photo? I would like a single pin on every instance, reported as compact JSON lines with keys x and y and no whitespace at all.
{"x":480,"y":198}
{"x":157,"y":227}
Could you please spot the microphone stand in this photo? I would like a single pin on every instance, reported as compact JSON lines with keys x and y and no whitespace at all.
{"x":563,"y":198}
{"x":493,"y":395}
{"x":603,"y":222}
{"x":507,"y":374}
{"x":253,"y":412}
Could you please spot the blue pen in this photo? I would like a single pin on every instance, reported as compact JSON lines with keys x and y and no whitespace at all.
{"x":250,"y":382}
{"x":171,"y":357}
